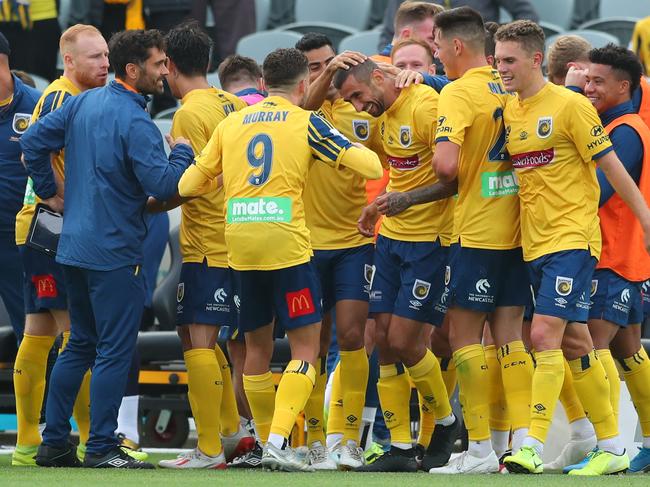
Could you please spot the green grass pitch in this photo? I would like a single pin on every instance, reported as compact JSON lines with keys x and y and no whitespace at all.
{"x":35,"y":476}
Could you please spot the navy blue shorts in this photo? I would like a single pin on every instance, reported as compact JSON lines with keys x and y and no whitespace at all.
{"x":615,"y":299}
{"x":482,"y":279}
{"x":232,"y":333}
{"x":645,"y":294}
{"x":344,"y":274}
{"x":206,"y":295}
{"x":43,"y":282}
{"x":562,"y":284}
{"x":441,"y":304}
{"x":408,"y":279}
{"x":292,"y":296}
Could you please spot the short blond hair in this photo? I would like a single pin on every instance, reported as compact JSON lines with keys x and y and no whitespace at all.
{"x":566,"y":49}
{"x":69,"y":37}
{"x":412,"y":41}
{"x":411,"y":12}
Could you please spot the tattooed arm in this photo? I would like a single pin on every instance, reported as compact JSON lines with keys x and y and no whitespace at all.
{"x":391,"y":204}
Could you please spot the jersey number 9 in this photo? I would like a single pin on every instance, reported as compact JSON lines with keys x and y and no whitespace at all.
{"x":260,"y":155}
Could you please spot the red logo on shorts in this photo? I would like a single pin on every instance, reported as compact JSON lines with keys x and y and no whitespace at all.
{"x":45,"y":286}
{"x":300,"y":303}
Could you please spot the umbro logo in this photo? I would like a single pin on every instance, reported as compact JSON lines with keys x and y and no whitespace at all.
{"x":313,"y":421}
{"x":428,"y":398}
{"x":352,"y":418}
{"x":117,"y":462}
{"x":388,"y":414}
{"x":539,"y":407}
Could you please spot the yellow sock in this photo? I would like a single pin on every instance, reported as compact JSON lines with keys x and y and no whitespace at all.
{"x":394,"y":391}
{"x":81,"y":408}
{"x":260,"y":392}
{"x":204,"y":383}
{"x":517,"y":369}
{"x":448,"y":371}
{"x":592,"y":387}
{"x":29,"y":386}
{"x":607,"y":361}
{"x":569,"y":399}
{"x":636,"y":370}
{"x":335,"y":421}
{"x":547,"y":383}
{"x":229,"y":414}
{"x":432,"y":392}
{"x":472,"y":378}
{"x":499,"y":419}
{"x":314,"y":414}
{"x":354,"y":379}
{"x":427,"y":422}
{"x":295,"y":387}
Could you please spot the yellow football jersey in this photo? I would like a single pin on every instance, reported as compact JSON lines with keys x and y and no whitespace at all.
{"x":408,"y":130}
{"x":334,"y":200}
{"x":470,"y":114}
{"x":202,"y":221}
{"x":553,"y":138}
{"x":52,"y":98}
{"x":264,"y":152}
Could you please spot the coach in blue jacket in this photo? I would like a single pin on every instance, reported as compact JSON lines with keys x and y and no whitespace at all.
{"x":115,"y":159}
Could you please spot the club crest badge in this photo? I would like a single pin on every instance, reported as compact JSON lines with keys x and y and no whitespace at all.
{"x":405,"y":135}
{"x":361,"y":129}
{"x":421,"y":289}
{"x":180,"y":292}
{"x":594,"y":286}
{"x":368,"y":272}
{"x":544,"y":127}
{"x":563,"y":285}
{"x":21,"y":122}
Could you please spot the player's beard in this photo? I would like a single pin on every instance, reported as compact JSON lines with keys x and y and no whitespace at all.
{"x":91,"y":80}
{"x":151,"y":85}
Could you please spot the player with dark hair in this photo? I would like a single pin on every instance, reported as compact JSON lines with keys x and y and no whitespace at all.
{"x":616,"y":311}
{"x":206,"y":296}
{"x":409,"y":262}
{"x":100,"y":248}
{"x":264,"y":204}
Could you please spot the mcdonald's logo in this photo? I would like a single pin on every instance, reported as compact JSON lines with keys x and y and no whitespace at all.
{"x":300,"y":303}
{"x":45,"y":286}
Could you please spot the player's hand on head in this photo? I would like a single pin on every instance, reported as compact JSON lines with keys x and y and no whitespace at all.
{"x":576,"y":76}
{"x":367,"y":220}
{"x":174,"y":142}
{"x":346,"y":59}
{"x":389,"y":68}
{"x":393,"y":203}
{"x":407,"y":78}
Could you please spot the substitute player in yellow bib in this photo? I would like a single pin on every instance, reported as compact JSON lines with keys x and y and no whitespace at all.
{"x":263,"y":153}
{"x":205,"y":291}
{"x":85,"y":56}
{"x":553,"y":137}
{"x":343,"y":259}
{"x":409,"y":259}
